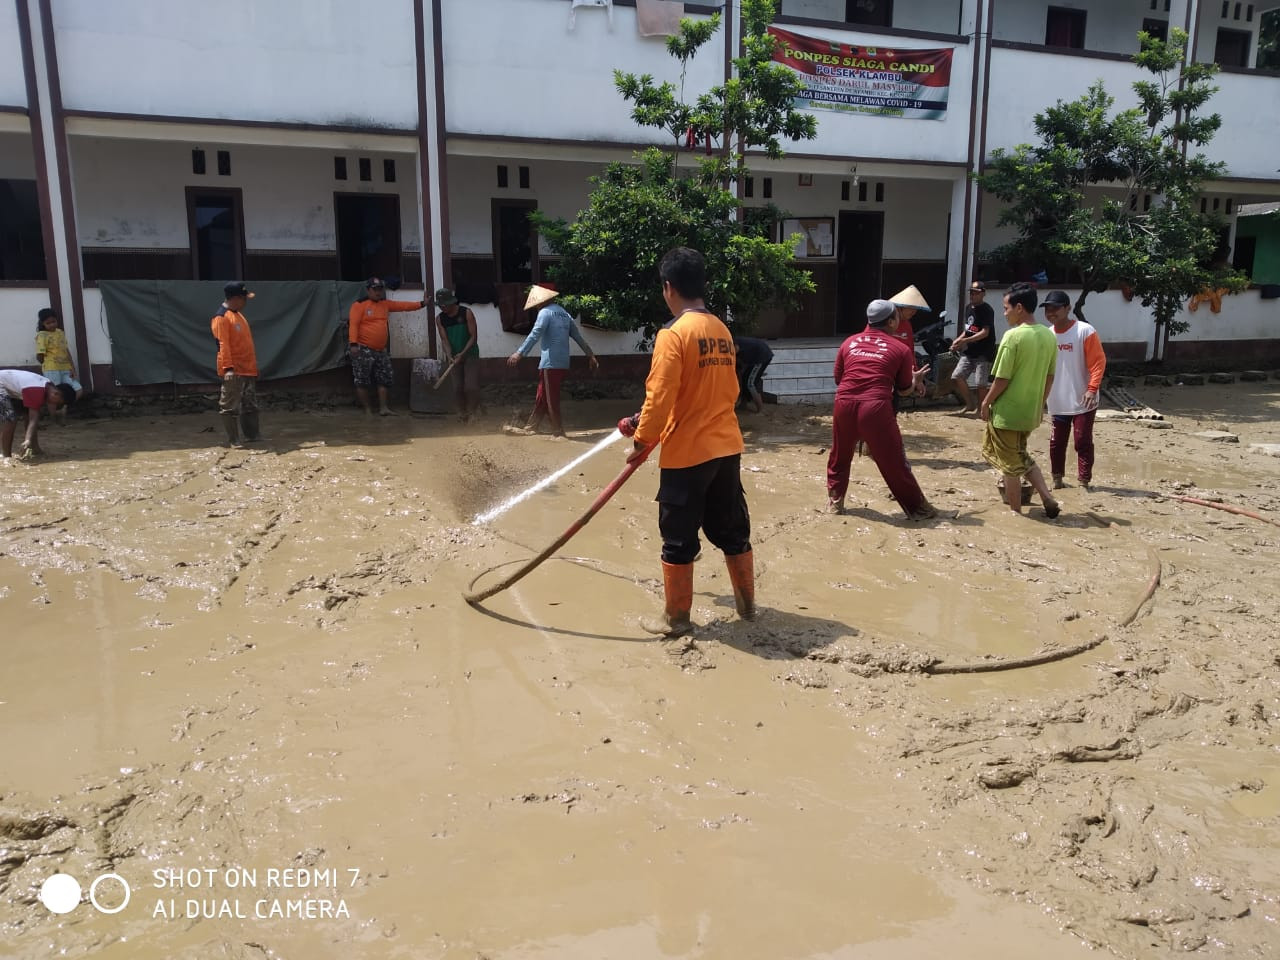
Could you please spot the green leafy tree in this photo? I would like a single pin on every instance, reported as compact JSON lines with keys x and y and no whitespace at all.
{"x":638,"y":211}
{"x":1114,"y":198}
{"x":1269,"y":40}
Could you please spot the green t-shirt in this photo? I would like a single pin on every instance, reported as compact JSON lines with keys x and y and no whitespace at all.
{"x":1025,"y":358}
{"x":455,"y":328}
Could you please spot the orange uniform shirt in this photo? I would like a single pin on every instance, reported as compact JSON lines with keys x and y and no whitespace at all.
{"x":235,"y":344}
{"x":690,"y":393}
{"x":367,"y":321}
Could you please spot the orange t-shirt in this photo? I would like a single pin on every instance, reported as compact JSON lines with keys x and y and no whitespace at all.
{"x":367,"y":321}
{"x":690,"y":393}
{"x":235,"y":344}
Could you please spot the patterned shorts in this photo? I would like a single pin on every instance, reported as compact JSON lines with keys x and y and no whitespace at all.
{"x":7,"y":411}
{"x":371,"y":366}
{"x":974,"y":371}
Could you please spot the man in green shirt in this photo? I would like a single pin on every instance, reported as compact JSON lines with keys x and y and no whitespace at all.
{"x":1014,"y":406}
{"x":456,"y":325}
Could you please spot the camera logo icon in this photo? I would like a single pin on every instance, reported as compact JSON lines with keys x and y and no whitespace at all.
{"x":61,"y":893}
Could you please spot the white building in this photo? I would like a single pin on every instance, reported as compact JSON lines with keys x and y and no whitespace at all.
{"x":295,"y":140}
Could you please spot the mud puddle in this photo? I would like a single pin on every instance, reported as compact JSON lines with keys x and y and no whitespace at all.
{"x":254,"y":661}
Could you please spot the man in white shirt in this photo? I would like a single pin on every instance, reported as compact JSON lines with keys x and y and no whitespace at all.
{"x":20,"y":390}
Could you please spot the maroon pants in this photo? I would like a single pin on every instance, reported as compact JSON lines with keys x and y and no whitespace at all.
{"x":1081,"y":425}
{"x":873,"y":422}
{"x":548,"y":398}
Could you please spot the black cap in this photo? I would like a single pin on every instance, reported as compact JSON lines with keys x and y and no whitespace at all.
{"x":1055,"y":298}
{"x":978,"y":287}
{"x":235,"y":288}
{"x":375,"y":283}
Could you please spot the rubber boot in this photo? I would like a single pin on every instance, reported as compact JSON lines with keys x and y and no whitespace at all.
{"x":249,"y":424}
{"x":742,"y":574}
{"x":231,"y":423}
{"x":677,"y":585}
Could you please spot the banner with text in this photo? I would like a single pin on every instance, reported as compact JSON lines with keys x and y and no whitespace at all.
{"x":879,"y":81}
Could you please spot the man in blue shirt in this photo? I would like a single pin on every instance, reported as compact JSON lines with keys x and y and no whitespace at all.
{"x":554,"y":328}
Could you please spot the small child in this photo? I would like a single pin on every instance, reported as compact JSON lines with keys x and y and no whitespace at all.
{"x":54,"y":356}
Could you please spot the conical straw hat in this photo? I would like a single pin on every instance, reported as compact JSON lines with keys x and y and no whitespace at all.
{"x":540,"y":294}
{"x":910,"y":297}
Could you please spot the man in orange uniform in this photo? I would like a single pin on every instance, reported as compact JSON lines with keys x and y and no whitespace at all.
{"x":237,"y":365}
{"x":688,"y":407}
{"x":371,"y":341}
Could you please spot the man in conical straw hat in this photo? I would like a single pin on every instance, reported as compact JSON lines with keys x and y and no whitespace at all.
{"x":554,"y":328}
{"x":908,"y":302}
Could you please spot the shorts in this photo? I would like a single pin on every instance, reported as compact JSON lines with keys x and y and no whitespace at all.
{"x":371,"y":367}
{"x":976,"y":371}
{"x":63,"y":376}
{"x":1006,"y":450}
{"x":32,"y":399}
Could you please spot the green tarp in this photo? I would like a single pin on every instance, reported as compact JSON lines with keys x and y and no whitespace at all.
{"x":160,"y":332}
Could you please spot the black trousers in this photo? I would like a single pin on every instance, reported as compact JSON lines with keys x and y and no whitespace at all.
{"x":706,"y":497}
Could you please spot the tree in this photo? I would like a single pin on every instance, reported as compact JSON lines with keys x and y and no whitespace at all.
{"x":1269,"y":40}
{"x":638,"y":211}
{"x":1147,"y":232}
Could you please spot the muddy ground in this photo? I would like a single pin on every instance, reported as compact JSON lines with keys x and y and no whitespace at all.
{"x":220,"y":665}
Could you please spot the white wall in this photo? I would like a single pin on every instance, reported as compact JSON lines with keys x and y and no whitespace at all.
{"x":856,"y":135}
{"x":318,"y":61}
{"x":13,"y":86}
{"x":1211,"y":20}
{"x":1110,"y":25}
{"x":131,"y":193}
{"x":1024,"y":83}
{"x":560,"y":189}
{"x":1249,"y":140}
{"x":936,"y":16}
{"x":513,"y":67}
{"x":18,"y":309}
{"x":1245,"y":316}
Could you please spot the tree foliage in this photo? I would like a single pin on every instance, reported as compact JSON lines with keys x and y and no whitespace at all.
{"x":1147,"y":232}
{"x":638,"y":211}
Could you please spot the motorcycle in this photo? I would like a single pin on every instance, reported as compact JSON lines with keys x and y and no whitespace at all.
{"x":933,"y":348}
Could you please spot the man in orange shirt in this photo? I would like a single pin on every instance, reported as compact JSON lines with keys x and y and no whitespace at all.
{"x":371,"y":341}
{"x":688,"y":407}
{"x":237,"y":365}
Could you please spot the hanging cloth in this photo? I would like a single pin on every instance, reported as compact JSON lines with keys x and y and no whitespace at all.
{"x":573,"y":11}
{"x":659,"y":18}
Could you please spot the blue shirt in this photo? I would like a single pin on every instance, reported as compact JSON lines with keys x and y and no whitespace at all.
{"x":554,"y":327}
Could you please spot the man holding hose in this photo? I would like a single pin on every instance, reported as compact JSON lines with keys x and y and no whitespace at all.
{"x":690,"y":394}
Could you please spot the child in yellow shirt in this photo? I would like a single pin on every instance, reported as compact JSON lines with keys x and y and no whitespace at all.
{"x":54,"y":355}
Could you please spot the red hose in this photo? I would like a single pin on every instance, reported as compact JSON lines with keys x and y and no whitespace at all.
{"x":473,"y":596}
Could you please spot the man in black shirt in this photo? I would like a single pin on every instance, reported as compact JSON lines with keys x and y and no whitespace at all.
{"x":976,"y":346}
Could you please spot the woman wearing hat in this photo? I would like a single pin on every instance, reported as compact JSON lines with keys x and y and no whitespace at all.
{"x":554,"y":328}
{"x":907,"y":303}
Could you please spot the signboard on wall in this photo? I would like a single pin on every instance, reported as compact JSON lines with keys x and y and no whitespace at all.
{"x":876,"y":81}
{"x":817,"y":236}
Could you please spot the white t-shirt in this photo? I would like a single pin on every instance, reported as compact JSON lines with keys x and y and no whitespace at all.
{"x":1080,"y":366}
{"x":13,"y":382}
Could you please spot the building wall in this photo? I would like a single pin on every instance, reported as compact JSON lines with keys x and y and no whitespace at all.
{"x":315,"y":61}
{"x":935,"y":16}
{"x":13,"y":86}
{"x":1111,"y":26}
{"x":514,"y":68}
{"x":1212,"y":20}
{"x":1266,"y":257}
{"x":18,"y":309}
{"x":132,"y":193}
{"x":16,"y":159}
{"x":892,"y":138}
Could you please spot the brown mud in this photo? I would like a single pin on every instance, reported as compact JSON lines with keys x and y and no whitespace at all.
{"x":258,"y":659}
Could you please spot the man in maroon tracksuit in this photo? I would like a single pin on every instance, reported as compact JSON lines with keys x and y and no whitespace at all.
{"x":870,"y":366}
